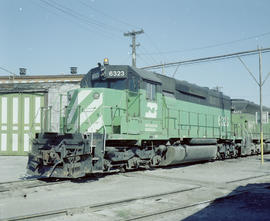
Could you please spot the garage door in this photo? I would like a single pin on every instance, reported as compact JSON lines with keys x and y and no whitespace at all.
{"x":20,"y":119}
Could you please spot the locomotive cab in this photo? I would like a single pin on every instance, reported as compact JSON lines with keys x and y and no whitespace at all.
{"x":109,"y":96}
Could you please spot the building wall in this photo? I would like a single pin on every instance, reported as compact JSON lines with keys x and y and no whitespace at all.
{"x":54,"y":94}
{"x":20,"y":119}
{"x":23,"y":107}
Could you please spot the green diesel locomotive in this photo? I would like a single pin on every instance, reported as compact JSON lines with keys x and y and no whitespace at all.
{"x":123,"y":118}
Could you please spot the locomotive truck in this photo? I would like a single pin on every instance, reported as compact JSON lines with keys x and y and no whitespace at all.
{"x":123,"y":118}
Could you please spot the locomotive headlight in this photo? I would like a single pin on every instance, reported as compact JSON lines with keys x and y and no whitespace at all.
{"x":96,"y":95}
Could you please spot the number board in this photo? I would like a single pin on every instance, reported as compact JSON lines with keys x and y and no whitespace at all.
{"x":116,"y":74}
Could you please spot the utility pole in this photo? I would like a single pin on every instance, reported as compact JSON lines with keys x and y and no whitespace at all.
{"x":217,"y":88}
{"x":261,"y":107}
{"x":134,"y":45}
{"x":260,"y":84}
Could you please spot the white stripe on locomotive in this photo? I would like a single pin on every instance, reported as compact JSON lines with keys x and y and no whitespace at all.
{"x":90,"y":109}
{"x":96,"y":125}
{"x":80,"y":97}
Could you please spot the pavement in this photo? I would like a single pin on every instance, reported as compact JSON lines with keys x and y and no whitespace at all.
{"x":12,"y":168}
{"x":212,"y":180}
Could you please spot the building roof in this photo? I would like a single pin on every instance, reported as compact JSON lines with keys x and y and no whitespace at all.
{"x":40,"y":78}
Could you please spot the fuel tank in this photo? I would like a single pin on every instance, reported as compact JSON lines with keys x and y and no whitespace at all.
{"x":266,"y":147}
{"x":187,"y":153}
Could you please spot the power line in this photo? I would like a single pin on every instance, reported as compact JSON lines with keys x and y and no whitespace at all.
{"x":78,"y":16}
{"x":89,"y":22}
{"x":142,"y":59}
{"x":207,"y":59}
{"x":124,"y":23}
{"x":143,"y":49}
{"x":92,"y":20}
{"x":214,"y":45}
{"x":107,"y":15}
{"x":156,"y":48}
{"x":82,"y":25}
{"x":6,"y":70}
{"x":124,"y":60}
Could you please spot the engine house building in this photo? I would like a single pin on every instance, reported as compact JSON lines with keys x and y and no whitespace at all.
{"x":24,"y":100}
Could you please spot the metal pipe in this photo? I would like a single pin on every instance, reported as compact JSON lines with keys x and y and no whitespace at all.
{"x":50,"y":122}
{"x":79,"y":119}
{"x":42,"y":119}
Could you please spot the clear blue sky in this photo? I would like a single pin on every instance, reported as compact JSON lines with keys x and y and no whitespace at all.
{"x":49,"y":36}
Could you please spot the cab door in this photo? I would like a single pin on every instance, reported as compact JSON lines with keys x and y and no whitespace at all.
{"x":133,"y":97}
{"x":152,"y":109}
{"x":133,"y":106}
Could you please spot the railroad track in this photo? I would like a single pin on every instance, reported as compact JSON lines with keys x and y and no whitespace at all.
{"x":89,"y":208}
{"x":117,"y":204}
{"x":200,"y":183}
{"x":27,"y":184}
{"x":248,"y":178}
{"x":152,"y":215}
{"x":175,"y":209}
{"x":31,"y":183}
{"x":35,"y":182}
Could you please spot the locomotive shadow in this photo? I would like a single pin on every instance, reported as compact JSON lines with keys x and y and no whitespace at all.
{"x":183,"y":165}
{"x":96,"y":177}
{"x":250,"y":202}
{"x":88,"y":178}
{"x":92,"y":177}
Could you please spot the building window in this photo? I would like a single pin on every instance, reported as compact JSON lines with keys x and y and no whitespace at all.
{"x":151,"y":91}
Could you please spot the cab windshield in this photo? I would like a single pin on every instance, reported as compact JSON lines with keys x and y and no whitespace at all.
{"x":119,"y":84}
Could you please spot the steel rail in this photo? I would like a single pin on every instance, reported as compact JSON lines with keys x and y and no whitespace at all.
{"x":248,"y":178}
{"x":119,"y":202}
{"x":27,"y":184}
{"x":16,"y":181}
{"x":185,"y":207}
{"x":84,"y":209}
{"x":195,"y":182}
{"x":44,"y":183}
{"x":231,"y":195}
{"x":72,"y":210}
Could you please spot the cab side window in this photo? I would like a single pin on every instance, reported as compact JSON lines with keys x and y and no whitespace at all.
{"x":151,"y":90}
{"x":133,"y":84}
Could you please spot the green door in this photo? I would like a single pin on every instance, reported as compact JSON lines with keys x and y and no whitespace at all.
{"x":20,"y":119}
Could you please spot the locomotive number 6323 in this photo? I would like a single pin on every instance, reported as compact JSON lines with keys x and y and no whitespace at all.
{"x":117,"y":74}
